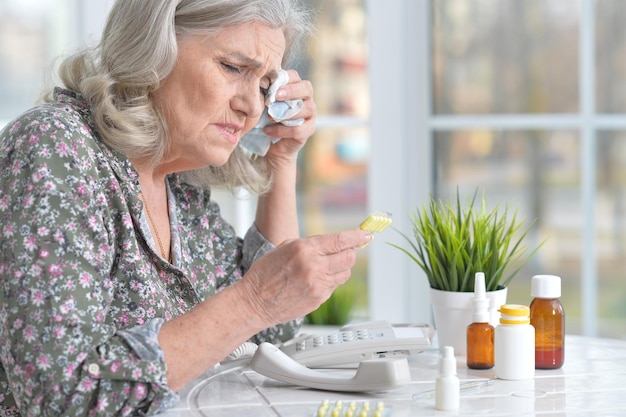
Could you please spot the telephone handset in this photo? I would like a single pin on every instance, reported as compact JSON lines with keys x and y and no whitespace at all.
{"x":357,"y":342}
{"x":378,"y":350}
{"x":371,"y":375}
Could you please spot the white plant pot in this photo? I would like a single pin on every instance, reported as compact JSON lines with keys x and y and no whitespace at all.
{"x":453,"y":313}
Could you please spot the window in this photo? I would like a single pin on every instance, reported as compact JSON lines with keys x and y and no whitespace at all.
{"x":33,"y":33}
{"x":520,"y":99}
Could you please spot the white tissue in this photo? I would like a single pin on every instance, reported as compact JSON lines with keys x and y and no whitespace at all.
{"x":256,"y":141}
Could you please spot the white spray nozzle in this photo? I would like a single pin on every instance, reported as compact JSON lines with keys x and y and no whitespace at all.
{"x":479,"y":285}
{"x":481,"y":302}
{"x":447,"y":365}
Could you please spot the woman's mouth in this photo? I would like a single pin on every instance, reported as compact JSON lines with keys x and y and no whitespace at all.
{"x":229,"y":132}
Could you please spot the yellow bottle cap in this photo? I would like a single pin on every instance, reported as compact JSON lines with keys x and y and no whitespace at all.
{"x":514,"y":314}
{"x":514,"y":310}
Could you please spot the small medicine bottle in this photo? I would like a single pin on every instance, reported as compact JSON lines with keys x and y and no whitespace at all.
{"x":548,"y":318}
{"x":514,"y":341}
{"x":447,"y":385}
{"x":480,"y":333}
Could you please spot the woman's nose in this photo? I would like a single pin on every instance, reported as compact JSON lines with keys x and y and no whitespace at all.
{"x":249,"y":101}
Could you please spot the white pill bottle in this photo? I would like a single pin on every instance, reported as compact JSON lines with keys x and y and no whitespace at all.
{"x":514,"y":343}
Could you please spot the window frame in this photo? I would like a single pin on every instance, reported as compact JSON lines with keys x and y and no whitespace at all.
{"x":401,"y":95}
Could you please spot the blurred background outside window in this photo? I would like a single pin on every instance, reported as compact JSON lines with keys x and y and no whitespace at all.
{"x":524,"y":100}
{"x":544,"y":136}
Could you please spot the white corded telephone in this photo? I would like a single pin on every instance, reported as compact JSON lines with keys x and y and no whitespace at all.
{"x":379,"y":348}
{"x":357,"y":342}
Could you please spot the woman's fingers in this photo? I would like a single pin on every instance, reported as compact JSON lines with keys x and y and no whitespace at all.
{"x":307,"y":270}
{"x":296,"y":89}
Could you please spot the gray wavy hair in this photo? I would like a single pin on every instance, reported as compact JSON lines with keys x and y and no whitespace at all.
{"x":138,"y":49}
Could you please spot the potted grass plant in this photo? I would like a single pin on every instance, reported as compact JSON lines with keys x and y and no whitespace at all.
{"x":451,"y":242}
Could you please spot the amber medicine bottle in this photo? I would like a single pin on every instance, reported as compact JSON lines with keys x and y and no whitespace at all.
{"x":514,"y":341}
{"x":480,"y":333}
{"x":548,"y":318}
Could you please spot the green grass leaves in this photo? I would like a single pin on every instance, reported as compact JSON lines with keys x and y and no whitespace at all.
{"x":450,"y":243}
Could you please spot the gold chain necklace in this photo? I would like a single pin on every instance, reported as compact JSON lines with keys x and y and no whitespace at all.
{"x":156,"y":230}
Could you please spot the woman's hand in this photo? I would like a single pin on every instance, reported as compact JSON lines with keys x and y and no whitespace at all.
{"x":294,"y":137}
{"x":299,"y":275}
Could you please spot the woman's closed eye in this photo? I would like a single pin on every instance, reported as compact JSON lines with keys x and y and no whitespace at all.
{"x":231,"y":68}
{"x":237,"y":70}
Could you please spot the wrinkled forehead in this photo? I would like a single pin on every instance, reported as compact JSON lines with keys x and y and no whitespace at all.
{"x":256,"y":44}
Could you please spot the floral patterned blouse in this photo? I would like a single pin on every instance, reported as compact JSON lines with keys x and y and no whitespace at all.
{"x":82,"y":291}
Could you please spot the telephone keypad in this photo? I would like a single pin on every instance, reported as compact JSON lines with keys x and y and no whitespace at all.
{"x":357,"y":342}
{"x":334,"y":338}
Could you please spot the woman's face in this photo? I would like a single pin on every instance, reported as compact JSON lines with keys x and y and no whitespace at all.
{"x":215,"y":93}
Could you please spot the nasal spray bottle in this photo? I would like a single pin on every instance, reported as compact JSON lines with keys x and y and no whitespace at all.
{"x":447,"y":386}
{"x":480,"y":347}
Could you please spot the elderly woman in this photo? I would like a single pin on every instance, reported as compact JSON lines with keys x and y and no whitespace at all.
{"x":119,"y":280}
